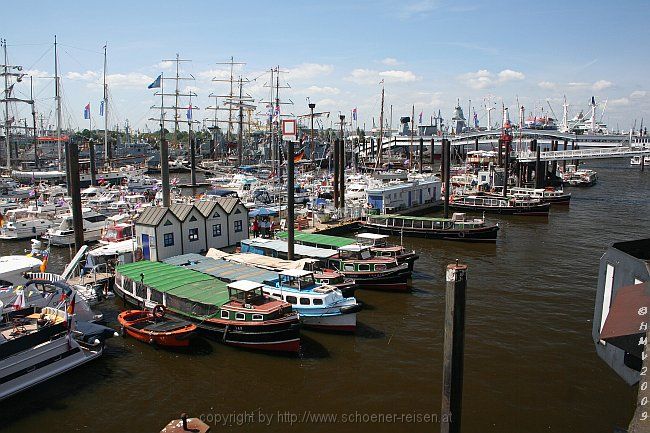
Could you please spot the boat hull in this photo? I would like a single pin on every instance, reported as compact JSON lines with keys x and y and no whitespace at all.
{"x":177,"y":337}
{"x":536,"y":210}
{"x":279,"y":336}
{"x":339,"y":322}
{"x":483,"y":234}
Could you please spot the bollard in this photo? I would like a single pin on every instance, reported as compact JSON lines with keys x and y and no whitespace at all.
{"x":453,"y":349}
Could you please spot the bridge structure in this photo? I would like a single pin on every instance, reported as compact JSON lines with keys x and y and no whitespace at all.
{"x":582,"y":154}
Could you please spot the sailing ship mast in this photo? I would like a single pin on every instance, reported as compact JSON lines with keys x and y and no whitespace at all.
{"x":57,"y":97}
{"x":106,"y":160}
{"x":381,"y":126}
{"x":177,"y":94}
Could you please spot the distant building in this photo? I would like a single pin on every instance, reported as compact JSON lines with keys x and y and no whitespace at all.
{"x":191,"y":228}
{"x":624,"y":267}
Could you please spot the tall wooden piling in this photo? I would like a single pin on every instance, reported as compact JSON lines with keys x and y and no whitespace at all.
{"x":342,"y":174}
{"x":164,"y":166}
{"x":500,"y":156}
{"x":290,"y":202}
{"x":443,"y":158}
{"x":75,"y":193}
{"x":538,"y":169}
{"x":447,"y":145}
{"x":453,"y":348}
{"x":476,"y":144}
{"x":193,"y":162}
{"x":506,"y":144}
{"x":336,"y":173}
{"x":93,"y":164}
{"x":432,"y":153}
{"x":421,"y":154}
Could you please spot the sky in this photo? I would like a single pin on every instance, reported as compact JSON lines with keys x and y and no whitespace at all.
{"x":429,"y":54}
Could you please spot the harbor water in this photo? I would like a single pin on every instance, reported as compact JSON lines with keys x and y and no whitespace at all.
{"x":530,"y":364}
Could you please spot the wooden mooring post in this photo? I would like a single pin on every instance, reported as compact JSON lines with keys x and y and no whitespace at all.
{"x":454,"y":348}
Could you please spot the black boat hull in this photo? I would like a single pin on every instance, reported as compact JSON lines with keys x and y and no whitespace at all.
{"x":484,"y":234}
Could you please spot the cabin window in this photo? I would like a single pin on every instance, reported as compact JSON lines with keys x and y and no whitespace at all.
{"x":364,"y":267}
{"x":304,"y":301}
{"x":324,"y":281}
{"x":277,"y":295}
{"x":168,"y":239}
{"x":258,"y":317}
{"x":238,"y":226}
{"x":225,"y":314}
{"x":216,"y":230}
{"x":348,"y":267}
{"x":380,"y":267}
{"x":292,"y":299}
{"x":240,"y":316}
{"x":318,"y":301}
{"x":194,"y":234}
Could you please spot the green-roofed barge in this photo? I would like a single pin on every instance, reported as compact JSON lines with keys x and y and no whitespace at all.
{"x":457,"y":228}
{"x":237,"y":314}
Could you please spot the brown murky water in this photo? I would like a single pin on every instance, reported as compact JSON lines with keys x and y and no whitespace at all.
{"x":530,"y":364}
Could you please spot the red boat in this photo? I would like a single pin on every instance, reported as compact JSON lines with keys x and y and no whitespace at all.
{"x":154,"y":328}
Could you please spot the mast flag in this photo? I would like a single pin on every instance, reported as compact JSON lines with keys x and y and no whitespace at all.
{"x":101,"y":108}
{"x":87,"y":111}
{"x":156,"y":83}
{"x":189,"y":113}
{"x":420,"y":117}
{"x":354,"y":114}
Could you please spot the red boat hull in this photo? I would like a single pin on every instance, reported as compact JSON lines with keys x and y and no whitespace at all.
{"x":179,"y":337}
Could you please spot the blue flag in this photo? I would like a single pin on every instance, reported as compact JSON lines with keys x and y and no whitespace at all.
{"x":189,"y":113}
{"x":156,"y":83}
{"x":87,"y":111}
{"x":101,"y":108}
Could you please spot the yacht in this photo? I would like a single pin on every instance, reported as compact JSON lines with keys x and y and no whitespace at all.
{"x":37,"y":344}
{"x":636,"y":160}
{"x":29,"y":222}
{"x":63,"y":235}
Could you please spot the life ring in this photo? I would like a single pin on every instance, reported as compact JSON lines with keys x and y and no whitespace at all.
{"x":158,"y":311}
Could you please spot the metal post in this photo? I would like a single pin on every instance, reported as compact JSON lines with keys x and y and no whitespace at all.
{"x":443,"y":159}
{"x":500,"y":158}
{"x":336,"y":173}
{"x":476,"y":144}
{"x":290,"y":202}
{"x":93,"y":163}
{"x":454,"y":348}
{"x":75,"y":193}
{"x":447,"y":146}
{"x":311,"y":135}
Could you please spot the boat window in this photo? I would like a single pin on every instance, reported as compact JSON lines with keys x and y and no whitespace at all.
{"x":240,"y":316}
{"x":318,"y":301}
{"x":277,"y":295}
{"x":325,"y":281}
{"x":364,"y":267}
{"x":292,"y":299}
{"x":156,"y":297}
{"x":348,"y":267}
{"x":380,"y":267}
{"x":304,"y":301}
{"x":225,"y":314}
{"x":258,"y":317}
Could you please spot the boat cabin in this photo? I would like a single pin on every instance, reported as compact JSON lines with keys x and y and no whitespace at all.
{"x":246,"y":292}
{"x":372,"y":239}
{"x":354,"y":252}
{"x":297,"y":279}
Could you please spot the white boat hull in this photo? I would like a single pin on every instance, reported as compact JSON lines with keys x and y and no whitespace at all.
{"x":29,"y":368}
{"x":67,"y":238}
{"x":25,"y":230}
{"x":339,"y":322}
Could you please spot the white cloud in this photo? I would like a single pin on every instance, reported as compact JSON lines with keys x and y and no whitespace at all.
{"x":620,"y":101}
{"x":390,"y":61}
{"x":399,"y":76}
{"x":421,"y":7}
{"x":38,"y":74}
{"x":83,"y":76}
{"x":165,"y":64}
{"x":483,"y":79}
{"x":208,"y":75}
{"x":370,"y":76}
{"x":509,"y":75}
{"x":547,"y":85}
{"x":638,"y":94}
{"x":325,"y":90}
{"x":309,"y":70}
{"x":601,"y":85}
{"x":130,"y":79}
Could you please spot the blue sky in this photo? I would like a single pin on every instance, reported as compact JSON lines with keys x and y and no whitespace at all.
{"x":429,"y":53}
